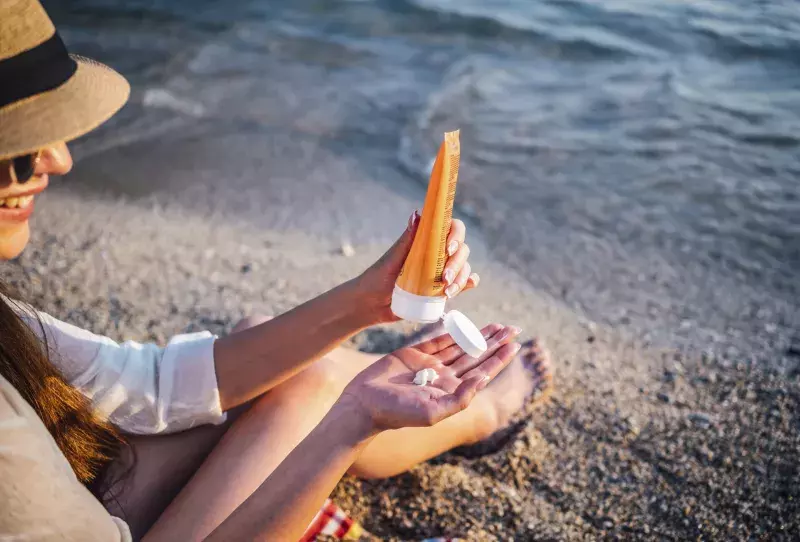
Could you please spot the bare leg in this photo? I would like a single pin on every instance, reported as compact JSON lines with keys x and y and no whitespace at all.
{"x":230,"y":462}
{"x":395,"y":452}
{"x":255,"y":444}
{"x":161,"y":466}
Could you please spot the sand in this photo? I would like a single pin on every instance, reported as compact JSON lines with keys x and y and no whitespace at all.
{"x":637,"y":441}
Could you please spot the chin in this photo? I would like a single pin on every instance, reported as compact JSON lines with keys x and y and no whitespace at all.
{"x":13,"y":242}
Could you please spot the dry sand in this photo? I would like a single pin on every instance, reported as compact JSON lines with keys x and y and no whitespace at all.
{"x":638,"y":442}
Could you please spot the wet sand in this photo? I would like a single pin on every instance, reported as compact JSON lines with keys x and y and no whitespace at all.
{"x":637,"y":442}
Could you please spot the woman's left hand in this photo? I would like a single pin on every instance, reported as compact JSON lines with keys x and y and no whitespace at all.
{"x":387,"y":396}
{"x":377,"y":282}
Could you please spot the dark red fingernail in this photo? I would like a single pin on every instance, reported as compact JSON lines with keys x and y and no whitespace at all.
{"x":412,"y":220}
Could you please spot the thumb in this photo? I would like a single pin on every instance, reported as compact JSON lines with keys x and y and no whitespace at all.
{"x":459,"y":399}
{"x":394,"y":258}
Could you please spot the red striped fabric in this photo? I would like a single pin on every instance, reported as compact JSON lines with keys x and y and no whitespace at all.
{"x":333,"y":521}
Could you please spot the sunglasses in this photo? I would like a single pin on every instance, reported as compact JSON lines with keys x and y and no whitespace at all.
{"x":23,"y":167}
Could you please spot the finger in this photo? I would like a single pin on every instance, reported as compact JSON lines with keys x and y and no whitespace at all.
{"x":413,"y":220}
{"x":467,"y":363}
{"x":472,"y":282}
{"x":394,"y":258}
{"x":458,"y":232}
{"x":460,"y":282}
{"x":432,"y":347}
{"x":455,"y":263}
{"x":492,"y":366}
{"x":453,"y":352}
{"x":455,"y":402}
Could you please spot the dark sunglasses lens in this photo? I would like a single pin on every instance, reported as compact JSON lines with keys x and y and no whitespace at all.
{"x":24,"y":166}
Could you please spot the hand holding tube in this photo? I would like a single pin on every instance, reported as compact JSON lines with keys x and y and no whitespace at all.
{"x":377,"y":283}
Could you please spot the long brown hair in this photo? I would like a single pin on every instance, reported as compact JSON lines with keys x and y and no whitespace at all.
{"x":88,"y":442}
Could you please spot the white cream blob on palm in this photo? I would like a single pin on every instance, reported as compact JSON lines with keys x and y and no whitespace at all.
{"x":425,"y":376}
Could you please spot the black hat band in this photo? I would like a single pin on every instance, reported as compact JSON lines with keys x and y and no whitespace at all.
{"x":45,"y":67}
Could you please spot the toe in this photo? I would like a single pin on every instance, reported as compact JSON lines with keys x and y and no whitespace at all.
{"x":537,"y":360}
{"x":533,"y":352}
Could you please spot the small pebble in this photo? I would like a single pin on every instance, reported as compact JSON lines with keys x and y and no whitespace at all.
{"x":700,"y":419}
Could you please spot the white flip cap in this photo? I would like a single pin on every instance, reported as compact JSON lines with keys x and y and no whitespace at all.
{"x":465,"y":333}
{"x":427,"y":309}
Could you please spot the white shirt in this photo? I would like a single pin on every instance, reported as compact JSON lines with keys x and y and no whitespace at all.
{"x":141,"y":388}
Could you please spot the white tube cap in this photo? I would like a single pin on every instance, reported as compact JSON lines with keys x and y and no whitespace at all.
{"x":427,"y":309}
{"x":465,"y":333}
{"x":422,"y":309}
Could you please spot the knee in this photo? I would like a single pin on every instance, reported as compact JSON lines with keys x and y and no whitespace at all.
{"x":320,"y":379}
{"x":367,"y":472}
{"x":319,"y":383}
{"x":250,"y":321}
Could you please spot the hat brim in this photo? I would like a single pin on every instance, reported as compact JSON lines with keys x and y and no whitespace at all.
{"x":87,"y":99}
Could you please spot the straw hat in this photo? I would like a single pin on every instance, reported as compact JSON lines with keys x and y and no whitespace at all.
{"x":46,"y":94}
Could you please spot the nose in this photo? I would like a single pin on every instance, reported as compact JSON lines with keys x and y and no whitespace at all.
{"x":54,"y":160}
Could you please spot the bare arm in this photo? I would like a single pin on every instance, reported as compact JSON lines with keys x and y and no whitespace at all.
{"x":381,"y":397}
{"x":282,"y":508}
{"x":251,"y":362}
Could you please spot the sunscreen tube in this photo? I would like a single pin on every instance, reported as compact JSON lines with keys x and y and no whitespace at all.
{"x":419,"y":291}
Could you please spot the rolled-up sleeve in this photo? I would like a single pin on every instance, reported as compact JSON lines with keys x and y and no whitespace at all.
{"x":141,"y":388}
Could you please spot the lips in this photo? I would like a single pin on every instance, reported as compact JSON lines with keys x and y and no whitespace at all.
{"x":18,"y":208}
{"x":20,"y":202}
{"x":17,"y":214}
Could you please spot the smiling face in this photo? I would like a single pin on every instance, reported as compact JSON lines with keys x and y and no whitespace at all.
{"x":17,"y":199}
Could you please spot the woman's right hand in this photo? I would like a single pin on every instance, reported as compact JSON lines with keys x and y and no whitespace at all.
{"x":386,"y":394}
{"x":376,"y":284}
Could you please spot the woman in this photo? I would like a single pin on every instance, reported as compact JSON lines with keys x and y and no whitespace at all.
{"x":237,"y":438}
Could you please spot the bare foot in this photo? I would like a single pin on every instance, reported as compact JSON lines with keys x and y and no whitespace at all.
{"x":527,"y":381}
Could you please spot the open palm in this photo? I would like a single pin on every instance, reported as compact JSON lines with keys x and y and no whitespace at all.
{"x":386,"y":391}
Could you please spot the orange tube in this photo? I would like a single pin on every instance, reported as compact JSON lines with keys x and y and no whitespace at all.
{"x":421,"y":276}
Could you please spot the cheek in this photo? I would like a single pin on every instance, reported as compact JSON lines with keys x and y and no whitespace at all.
{"x":13,"y":240}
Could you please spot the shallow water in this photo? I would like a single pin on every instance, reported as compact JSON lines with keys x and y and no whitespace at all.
{"x":637,"y":159}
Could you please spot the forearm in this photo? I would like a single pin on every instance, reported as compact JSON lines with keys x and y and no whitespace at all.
{"x":284,"y":505}
{"x":255,"y":360}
